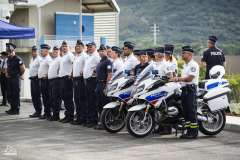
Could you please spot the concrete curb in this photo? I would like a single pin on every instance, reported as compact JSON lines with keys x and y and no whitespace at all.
{"x":232,"y":127}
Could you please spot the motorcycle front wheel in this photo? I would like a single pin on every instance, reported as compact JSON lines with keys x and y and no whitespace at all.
{"x":139,"y":123}
{"x":214,"y":125}
{"x":113,"y":120}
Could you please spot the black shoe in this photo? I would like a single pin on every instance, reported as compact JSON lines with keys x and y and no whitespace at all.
{"x":191,"y":134}
{"x":66,"y":120}
{"x":35,"y":115}
{"x":8,"y":111}
{"x":12,"y":112}
{"x":54,"y":118}
{"x":91,"y":125}
{"x":44,"y":116}
{"x":99,"y":127}
{"x":49,"y":118}
{"x":188,"y":136}
{"x":77,"y":122}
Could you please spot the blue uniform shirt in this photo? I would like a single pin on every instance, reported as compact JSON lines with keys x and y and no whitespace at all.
{"x":13,"y":66}
{"x":103,"y":68}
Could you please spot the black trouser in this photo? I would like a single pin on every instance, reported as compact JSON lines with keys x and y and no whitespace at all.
{"x":44,"y":86}
{"x":207,"y":74}
{"x":91,"y":100}
{"x":102,"y":99}
{"x":55,"y":96}
{"x":189,"y":104}
{"x":67,"y":96}
{"x":79,"y":98}
{"x":13,"y":92}
{"x":36,"y":94}
{"x":3,"y":83}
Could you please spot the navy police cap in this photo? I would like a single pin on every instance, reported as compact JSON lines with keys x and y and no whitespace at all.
{"x":187,"y":48}
{"x":45,"y":46}
{"x":213,"y":39}
{"x":128,"y":44}
{"x":117,"y":49}
{"x":168,"y":48}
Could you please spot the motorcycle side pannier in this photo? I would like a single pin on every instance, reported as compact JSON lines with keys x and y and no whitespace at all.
{"x":217,"y":99}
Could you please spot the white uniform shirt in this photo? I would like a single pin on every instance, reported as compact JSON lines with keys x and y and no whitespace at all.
{"x":191,"y":68}
{"x":66,"y":64}
{"x":173,"y":65}
{"x":4,"y":63}
{"x":43,"y":67}
{"x":91,"y":64}
{"x":78,"y":64}
{"x":54,"y":66}
{"x":163,"y":68}
{"x":117,"y":65}
{"x":130,"y":62}
{"x":34,"y":66}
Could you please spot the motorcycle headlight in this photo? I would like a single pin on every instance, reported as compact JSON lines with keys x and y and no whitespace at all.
{"x":140,"y":88}
{"x":113,"y":87}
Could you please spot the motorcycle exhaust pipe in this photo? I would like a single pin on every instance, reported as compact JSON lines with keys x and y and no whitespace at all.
{"x":202,"y":118}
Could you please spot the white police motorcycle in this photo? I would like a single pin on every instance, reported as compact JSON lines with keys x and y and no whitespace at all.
{"x":114,"y":113}
{"x":159,"y":102}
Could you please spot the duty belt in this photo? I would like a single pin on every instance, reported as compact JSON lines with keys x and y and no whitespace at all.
{"x":103,"y":81}
{"x":78,"y":78}
{"x":34,"y":77}
{"x":189,"y":86}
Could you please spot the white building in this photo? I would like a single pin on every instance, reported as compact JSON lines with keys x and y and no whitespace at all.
{"x":58,"y":20}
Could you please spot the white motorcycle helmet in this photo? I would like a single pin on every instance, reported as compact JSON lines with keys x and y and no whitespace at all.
{"x":216,"y":72}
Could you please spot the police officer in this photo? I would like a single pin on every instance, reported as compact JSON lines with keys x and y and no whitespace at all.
{"x":3,"y":78}
{"x":159,"y":67}
{"x":34,"y":81}
{"x":89,"y":75}
{"x":150,"y":53}
{"x":54,"y":84}
{"x":104,"y":75}
{"x":65,"y":73}
{"x":212,"y":56}
{"x":116,"y":59}
{"x":169,"y":48}
{"x":78,"y":83}
{"x":130,"y":60}
{"x":143,"y":58}
{"x":189,"y":81}
{"x":44,"y":83}
{"x":15,"y":69}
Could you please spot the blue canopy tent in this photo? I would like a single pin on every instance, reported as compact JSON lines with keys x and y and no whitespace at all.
{"x":10,"y":31}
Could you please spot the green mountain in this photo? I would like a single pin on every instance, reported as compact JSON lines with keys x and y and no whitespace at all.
{"x":181,"y":22}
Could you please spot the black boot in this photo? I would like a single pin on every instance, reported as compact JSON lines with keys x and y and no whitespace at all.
{"x":191,"y":134}
{"x":35,"y":115}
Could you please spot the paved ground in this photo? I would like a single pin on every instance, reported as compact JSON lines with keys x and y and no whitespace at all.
{"x":22,"y":138}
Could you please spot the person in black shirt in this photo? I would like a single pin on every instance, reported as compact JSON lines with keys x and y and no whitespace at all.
{"x":143,"y":58}
{"x":15,"y":69}
{"x":104,"y":74}
{"x":212,"y":56}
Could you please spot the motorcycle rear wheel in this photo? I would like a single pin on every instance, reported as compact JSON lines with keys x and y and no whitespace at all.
{"x":214,"y":127}
{"x":109,"y":120}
